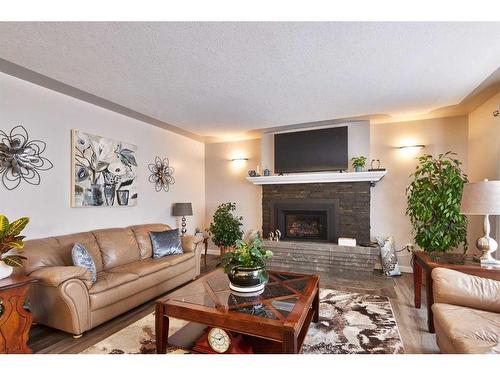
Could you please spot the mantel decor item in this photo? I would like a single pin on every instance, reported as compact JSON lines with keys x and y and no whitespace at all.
{"x":433,"y":203}
{"x":10,"y":239}
{"x":161,"y":174}
{"x":20,"y":158}
{"x":104,"y":171}
{"x":483,"y":198}
{"x":183,"y":209}
{"x":246,"y":266}
{"x":225,"y":227}
{"x":358,"y":163}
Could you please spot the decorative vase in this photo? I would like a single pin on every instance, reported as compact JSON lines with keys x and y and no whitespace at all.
{"x":109,"y":194}
{"x":358,"y":169}
{"x":122,"y":196}
{"x":5,"y":270}
{"x":248,"y":279}
{"x":97,"y":194}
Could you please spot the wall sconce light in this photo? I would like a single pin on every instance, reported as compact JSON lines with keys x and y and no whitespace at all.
{"x":412,"y":147}
{"x":239,"y":159}
{"x":411,"y":150}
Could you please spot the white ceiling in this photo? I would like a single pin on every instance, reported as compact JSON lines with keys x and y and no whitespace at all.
{"x":218,"y":79}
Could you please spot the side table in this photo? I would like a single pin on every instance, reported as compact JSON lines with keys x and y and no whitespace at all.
{"x":15,"y":320}
{"x":424,"y":263}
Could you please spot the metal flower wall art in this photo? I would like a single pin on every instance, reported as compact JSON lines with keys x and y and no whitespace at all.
{"x":161,"y":174}
{"x":20,"y":158}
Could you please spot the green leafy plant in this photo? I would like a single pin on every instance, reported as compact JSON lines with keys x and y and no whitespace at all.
{"x":433,"y":199}
{"x":10,"y":239}
{"x":247,"y":254}
{"x":358,"y":161}
{"x":225,"y":228}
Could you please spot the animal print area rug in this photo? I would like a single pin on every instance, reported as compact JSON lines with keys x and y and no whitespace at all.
{"x":350,"y":323}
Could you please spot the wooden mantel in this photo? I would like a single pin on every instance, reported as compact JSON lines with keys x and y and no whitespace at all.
{"x":309,"y":178}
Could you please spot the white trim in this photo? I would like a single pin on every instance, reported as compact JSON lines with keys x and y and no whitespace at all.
{"x":300,"y":178}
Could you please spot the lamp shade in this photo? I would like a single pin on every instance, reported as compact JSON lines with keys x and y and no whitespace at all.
{"x":481,"y":198}
{"x":182,"y":209}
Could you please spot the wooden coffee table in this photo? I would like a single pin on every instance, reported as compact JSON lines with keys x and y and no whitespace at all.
{"x":275,"y":321}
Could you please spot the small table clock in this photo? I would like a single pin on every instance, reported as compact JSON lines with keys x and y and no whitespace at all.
{"x":218,"y":341}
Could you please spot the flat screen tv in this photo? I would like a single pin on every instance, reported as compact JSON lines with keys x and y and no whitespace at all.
{"x":311,"y":151}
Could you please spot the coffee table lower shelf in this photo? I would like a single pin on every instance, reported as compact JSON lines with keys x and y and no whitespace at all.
{"x":185,"y":338}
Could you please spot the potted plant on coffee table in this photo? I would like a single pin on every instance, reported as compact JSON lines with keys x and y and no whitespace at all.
{"x":225,"y":228}
{"x":246,"y":266}
{"x":358,"y":163}
{"x":10,"y":239}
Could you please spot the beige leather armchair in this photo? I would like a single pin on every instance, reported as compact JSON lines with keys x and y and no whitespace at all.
{"x":466,"y":312}
{"x":127,"y":276}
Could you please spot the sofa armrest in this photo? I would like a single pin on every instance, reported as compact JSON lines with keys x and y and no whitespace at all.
{"x":55,"y":276}
{"x":457,"y":288}
{"x":189,"y":243}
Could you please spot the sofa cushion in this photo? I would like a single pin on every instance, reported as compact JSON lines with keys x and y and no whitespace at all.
{"x":141,"y":233}
{"x":466,"y":330}
{"x":118,"y":246}
{"x":148,"y":266}
{"x":88,"y":240}
{"x":106,"y":281}
{"x":129,"y":289}
{"x":166,"y":243}
{"x":44,"y":252}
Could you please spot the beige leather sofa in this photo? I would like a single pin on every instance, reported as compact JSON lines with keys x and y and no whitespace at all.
{"x":127,"y":275}
{"x":466,"y":312}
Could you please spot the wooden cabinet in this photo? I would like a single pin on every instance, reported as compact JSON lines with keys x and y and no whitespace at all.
{"x":15,"y":320}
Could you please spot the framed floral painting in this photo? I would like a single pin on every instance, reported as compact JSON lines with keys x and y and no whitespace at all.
{"x":104,"y":171}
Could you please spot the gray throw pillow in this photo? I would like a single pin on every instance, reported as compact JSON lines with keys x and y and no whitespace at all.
{"x":166,"y":243}
{"x":82,"y":258}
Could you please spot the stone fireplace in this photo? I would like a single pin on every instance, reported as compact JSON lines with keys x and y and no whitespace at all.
{"x":320,"y":212}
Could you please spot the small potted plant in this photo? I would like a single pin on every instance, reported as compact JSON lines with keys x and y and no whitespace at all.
{"x":10,"y":239}
{"x":358,"y":163}
{"x":246,"y":266}
{"x":225,"y":228}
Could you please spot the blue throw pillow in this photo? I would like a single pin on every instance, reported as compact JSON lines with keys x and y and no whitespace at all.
{"x":166,"y":243}
{"x":81,"y":258}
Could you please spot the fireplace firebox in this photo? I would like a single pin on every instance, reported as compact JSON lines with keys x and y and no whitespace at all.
{"x":311,"y":220}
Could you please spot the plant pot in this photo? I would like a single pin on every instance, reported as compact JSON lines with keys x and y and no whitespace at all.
{"x":248,"y":279}
{"x":358,"y":169}
{"x":5,"y":270}
{"x":225,"y":249}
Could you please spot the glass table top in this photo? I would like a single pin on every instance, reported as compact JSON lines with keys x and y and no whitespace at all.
{"x":276,"y":302}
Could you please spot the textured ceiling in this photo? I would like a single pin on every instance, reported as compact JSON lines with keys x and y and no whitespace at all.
{"x":217,"y":79}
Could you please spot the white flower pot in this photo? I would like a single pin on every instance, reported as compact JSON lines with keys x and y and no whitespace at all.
{"x":5,"y":270}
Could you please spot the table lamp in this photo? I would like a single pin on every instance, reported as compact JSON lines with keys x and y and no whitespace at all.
{"x":182,"y":209}
{"x":483,"y":198}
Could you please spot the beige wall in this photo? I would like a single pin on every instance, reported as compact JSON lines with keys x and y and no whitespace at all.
{"x":225,"y":180}
{"x":50,"y":116}
{"x":389,"y":196}
{"x":483,"y":158}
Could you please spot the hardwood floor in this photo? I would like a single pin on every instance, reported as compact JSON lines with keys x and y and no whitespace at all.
{"x":412,"y":322}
